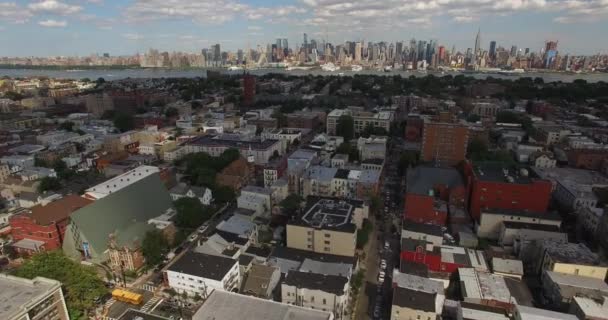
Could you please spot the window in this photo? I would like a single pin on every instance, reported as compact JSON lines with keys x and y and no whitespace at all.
{"x":324,"y":301}
{"x":326,"y":249}
{"x":326,"y":242}
{"x":309,"y":246}
{"x":312,"y":299}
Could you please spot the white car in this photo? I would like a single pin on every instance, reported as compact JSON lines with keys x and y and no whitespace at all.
{"x":202,"y":229}
{"x":193,"y":237}
{"x":386,"y":245}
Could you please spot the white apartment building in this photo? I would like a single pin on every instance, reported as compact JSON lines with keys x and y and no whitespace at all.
{"x":316,"y":291}
{"x":200,"y":274}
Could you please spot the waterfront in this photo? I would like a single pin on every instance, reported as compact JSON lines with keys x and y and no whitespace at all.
{"x":118,"y":74}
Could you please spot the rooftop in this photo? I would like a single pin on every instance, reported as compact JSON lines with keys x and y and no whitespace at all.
{"x":417,"y":283}
{"x":233,"y":141}
{"x":486,"y":286}
{"x":425,"y":228}
{"x":222,"y":305}
{"x":530,"y":313}
{"x":422,"y":179}
{"x":417,"y":300}
{"x":498,"y":172}
{"x":508,"y":266}
{"x":331,"y":214}
{"x":203,"y":265}
{"x":258,"y":278}
{"x":591,"y":308}
{"x":523,"y":213}
{"x":314,"y":281}
{"x":575,"y":253}
{"x":18,"y":294}
{"x":57,"y":210}
{"x":112,"y":185}
{"x":570,"y":280}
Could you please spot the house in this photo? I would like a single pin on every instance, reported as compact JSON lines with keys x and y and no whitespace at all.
{"x":508,"y":267}
{"x":428,"y":192}
{"x":257,"y":199}
{"x":316,"y":291}
{"x":182,"y":190}
{"x":125,"y":221}
{"x":559,"y":289}
{"x":522,"y":312}
{"x":228,"y":305}
{"x":235,"y":175}
{"x":562,"y":257}
{"x":261,"y":281}
{"x":422,"y":231}
{"x":44,"y":223}
{"x":373,"y":147}
{"x":413,"y":304}
{"x":492,"y":222}
{"x":485,"y":288}
{"x":588,"y":308}
{"x":289,"y":259}
{"x":408,"y":289}
{"x":199,"y":274}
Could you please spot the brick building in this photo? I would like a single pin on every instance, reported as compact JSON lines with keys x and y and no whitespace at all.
{"x":492,"y":185}
{"x":444,"y":143}
{"x":442,"y":259}
{"x":414,"y":126}
{"x":587,"y":158}
{"x":236,"y":175}
{"x":430,"y":191}
{"x":248,"y":89}
{"x":46,"y":224}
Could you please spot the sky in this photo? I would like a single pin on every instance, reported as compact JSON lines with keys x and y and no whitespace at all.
{"x":120,"y":27}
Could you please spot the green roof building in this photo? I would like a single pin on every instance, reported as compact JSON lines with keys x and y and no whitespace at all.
{"x":121,"y":216}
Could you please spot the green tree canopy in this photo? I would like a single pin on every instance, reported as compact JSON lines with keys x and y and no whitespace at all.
{"x":67,"y":126}
{"x":154,"y":247}
{"x":291,"y":204}
{"x":223,"y":194}
{"x":49,"y":184}
{"x":124,"y":122}
{"x":190,"y":213}
{"x":346,"y":127}
{"x":81,"y":283}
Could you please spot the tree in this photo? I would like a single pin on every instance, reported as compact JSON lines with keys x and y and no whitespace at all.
{"x":281,"y":118}
{"x":49,"y":184}
{"x":223,"y":194}
{"x":477,"y":148}
{"x":13,"y":96}
{"x":407,"y":159}
{"x":291,"y":204}
{"x":124,"y":122}
{"x":63,"y":172}
{"x":473,"y":118}
{"x":81,"y":284}
{"x":346,"y":127}
{"x":171,"y":112}
{"x":154,"y":247}
{"x":275,"y":155}
{"x":375,"y":203}
{"x":190,"y":213}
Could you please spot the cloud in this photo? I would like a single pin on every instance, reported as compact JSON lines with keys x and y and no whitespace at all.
{"x":254,"y":28}
{"x":11,"y":12}
{"x":53,"y":23}
{"x":132,"y":36}
{"x":204,"y":11}
{"x":54,"y":7}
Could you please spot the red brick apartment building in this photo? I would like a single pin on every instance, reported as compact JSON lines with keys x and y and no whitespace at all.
{"x":46,"y":223}
{"x":493,"y":185}
{"x":444,"y":143}
{"x":430,"y":191}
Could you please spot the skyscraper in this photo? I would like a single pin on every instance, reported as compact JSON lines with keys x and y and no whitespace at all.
{"x":492,"y":49}
{"x":305,"y":45}
{"x":513,"y":52}
{"x":358,"y":50}
{"x":285,"y":44}
{"x":476,"y":53}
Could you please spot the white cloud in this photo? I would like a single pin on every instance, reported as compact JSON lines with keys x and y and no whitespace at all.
{"x":204,"y":11}
{"x":53,"y":23}
{"x":132,"y":36}
{"x":54,"y":7}
{"x":254,"y":28}
{"x":11,"y":12}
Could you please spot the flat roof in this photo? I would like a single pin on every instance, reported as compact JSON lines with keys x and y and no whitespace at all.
{"x":119,"y":182}
{"x":228,"y":305}
{"x":509,"y":266}
{"x":499,"y":172}
{"x":523,"y":213}
{"x":563,"y":279}
{"x":530,"y":313}
{"x":330,"y":214}
{"x":422,"y":179}
{"x":203,"y":265}
{"x":17,"y":293}
{"x":233,"y":141}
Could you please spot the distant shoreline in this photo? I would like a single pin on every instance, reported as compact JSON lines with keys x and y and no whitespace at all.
{"x":87,"y":68}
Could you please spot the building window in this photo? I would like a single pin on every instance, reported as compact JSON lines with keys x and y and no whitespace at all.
{"x":326,"y":249}
{"x":326,"y":242}
{"x":312,"y":299}
{"x":324,"y":301}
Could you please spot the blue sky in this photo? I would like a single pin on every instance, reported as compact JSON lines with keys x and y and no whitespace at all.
{"x":83,"y":27}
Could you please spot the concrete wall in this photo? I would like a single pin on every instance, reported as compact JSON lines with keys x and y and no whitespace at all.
{"x":321,"y":241}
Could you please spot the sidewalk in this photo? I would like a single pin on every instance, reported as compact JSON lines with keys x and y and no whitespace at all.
{"x":371,"y":272}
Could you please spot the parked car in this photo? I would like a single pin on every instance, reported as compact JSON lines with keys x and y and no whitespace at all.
{"x":193,"y":237}
{"x":381,"y":278}
{"x":383,"y":264}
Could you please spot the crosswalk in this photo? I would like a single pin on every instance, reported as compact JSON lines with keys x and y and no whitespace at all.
{"x":148,"y":287}
{"x":151,"y":303}
{"x":109,"y":303}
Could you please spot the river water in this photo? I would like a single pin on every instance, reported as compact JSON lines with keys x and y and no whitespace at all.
{"x":117,"y":74}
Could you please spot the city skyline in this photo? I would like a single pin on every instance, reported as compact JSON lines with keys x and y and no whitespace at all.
{"x":79,"y":28}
